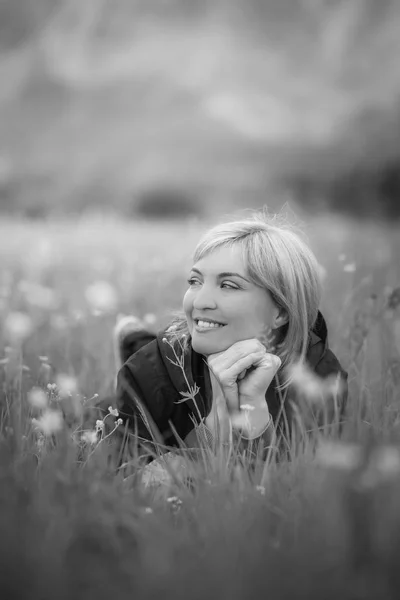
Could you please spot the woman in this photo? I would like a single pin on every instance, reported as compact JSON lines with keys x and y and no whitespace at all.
{"x":226,"y":365}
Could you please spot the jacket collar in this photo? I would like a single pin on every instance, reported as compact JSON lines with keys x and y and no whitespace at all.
{"x":186,"y":369}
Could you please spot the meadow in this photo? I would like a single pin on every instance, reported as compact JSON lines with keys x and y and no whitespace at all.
{"x":323,"y":524}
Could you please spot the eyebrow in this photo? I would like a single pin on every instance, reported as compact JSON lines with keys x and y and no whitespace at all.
{"x":224,"y":274}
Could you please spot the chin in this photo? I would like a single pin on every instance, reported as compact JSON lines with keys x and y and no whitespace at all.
{"x":204,"y":347}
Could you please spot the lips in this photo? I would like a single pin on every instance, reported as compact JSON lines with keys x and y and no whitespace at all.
{"x":207,"y":320}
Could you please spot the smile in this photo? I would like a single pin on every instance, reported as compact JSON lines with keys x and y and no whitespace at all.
{"x":207,"y":326}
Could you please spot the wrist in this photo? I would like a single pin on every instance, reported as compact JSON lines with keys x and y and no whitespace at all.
{"x":253,"y":419}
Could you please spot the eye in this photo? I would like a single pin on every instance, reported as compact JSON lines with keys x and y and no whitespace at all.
{"x":192,"y":281}
{"x":229,"y":286}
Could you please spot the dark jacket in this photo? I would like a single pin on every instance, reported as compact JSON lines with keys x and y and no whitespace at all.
{"x":150,"y":387}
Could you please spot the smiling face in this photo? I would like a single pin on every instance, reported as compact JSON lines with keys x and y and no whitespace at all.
{"x":221,"y":291}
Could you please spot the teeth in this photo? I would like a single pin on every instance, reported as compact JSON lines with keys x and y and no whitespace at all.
{"x":208,"y":325}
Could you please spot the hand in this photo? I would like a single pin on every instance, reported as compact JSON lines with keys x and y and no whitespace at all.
{"x":244,"y":371}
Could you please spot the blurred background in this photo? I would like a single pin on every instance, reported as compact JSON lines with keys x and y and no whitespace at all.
{"x":177,"y":108}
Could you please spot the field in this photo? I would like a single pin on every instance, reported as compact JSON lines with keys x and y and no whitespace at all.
{"x":323,"y":525}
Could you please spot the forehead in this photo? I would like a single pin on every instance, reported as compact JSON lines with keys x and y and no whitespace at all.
{"x":225,"y":258}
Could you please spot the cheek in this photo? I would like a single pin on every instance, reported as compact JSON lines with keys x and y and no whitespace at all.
{"x":187,"y":303}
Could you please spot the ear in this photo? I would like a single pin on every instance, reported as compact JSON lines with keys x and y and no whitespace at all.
{"x":280,"y":318}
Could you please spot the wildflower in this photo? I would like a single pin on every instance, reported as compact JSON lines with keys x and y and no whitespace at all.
{"x":247,"y":407}
{"x":18,"y":326}
{"x":101,"y":296}
{"x":310,"y":385}
{"x":261,"y":489}
{"x":165,"y":340}
{"x":174,"y":499}
{"x":99,"y":425}
{"x":37,"y":398}
{"x":374,"y":466}
{"x":113,"y":411}
{"x":345,"y":457}
{"x":90,"y":437}
{"x":148,"y":510}
{"x":38,"y":295}
{"x":350,"y":268}
{"x":119,"y":422}
{"x":67,"y":385}
{"x":44,"y":374}
{"x":50,"y":422}
{"x":149,"y":318}
{"x":175,"y":503}
{"x":52,"y":387}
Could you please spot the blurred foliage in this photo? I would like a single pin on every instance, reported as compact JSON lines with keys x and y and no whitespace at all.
{"x":105,"y":98}
{"x":372,"y":193}
{"x":165,"y":203}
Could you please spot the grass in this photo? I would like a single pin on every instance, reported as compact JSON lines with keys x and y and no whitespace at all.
{"x":318,"y":525}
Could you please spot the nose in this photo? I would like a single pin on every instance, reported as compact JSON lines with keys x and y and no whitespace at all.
{"x":204,"y":298}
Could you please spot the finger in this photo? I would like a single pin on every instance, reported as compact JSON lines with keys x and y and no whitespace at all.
{"x":231,"y":394}
{"x":243,"y":364}
{"x":235,"y":352}
{"x":270,"y":361}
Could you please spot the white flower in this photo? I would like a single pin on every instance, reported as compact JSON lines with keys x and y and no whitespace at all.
{"x":261,"y":489}
{"x":174,"y":500}
{"x":101,"y":296}
{"x":119,"y":422}
{"x":99,"y":425}
{"x":381,"y":464}
{"x":90,"y":437}
{"x":38,"y":295}
{"x":50,"y":422}
{"x":311,"y":385}
{"x":67,"y":385}
{"x":149,"y":318}
{"x":247,"y":407}
{"x":18,"y":326}
{"x":148,"y":510}
{"x":37,"y":398}
{"x":345,"y":457}
{"x":350,"y":268}
{"x":113,"y":411}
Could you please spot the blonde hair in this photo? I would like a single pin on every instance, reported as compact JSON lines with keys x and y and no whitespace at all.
{"x":279,"y":260}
